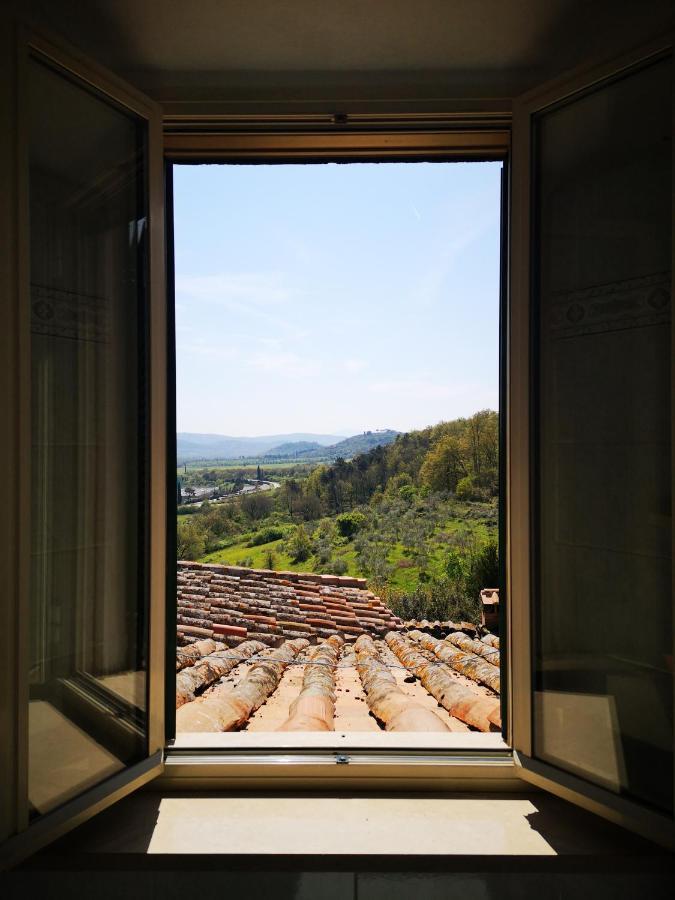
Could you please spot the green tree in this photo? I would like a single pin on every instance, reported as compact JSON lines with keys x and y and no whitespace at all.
{"x":443,"y":465}
{"x":255,"y":505}
{"x":310,"y":507}
{"x":190,"y":540}
{"x":299,"y":545}
{"x":348,"y":524}
{"x":290,"y":495}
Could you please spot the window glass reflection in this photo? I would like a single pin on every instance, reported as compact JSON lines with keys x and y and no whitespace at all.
{"x":87,"y":714}
{"x":604,"y":628}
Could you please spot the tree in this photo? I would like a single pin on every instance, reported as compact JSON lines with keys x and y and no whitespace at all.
{"x":443,"y":465}
{"x":373,"y":560}
{"x":348,"y":524}
{"x":482,"y":441}
{"x":468,"y":488}
{"x":258,"y":474}
{"x":310,"y":507}
{"x":290,"y":494}
{"x":255,"y":505}
{"x":299,"y":546}
{"x":190,"y":541}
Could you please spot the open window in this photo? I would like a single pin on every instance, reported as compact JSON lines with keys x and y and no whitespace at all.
{"x":89,"y":685}
{"x":588,"y":469}
{"x":590,"y":445}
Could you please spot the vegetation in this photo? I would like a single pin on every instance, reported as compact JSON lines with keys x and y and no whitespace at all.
{"x":417,"y":517}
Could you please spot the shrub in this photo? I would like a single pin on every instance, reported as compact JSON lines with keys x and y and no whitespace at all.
{"x":188,"y":509}
{"x":265,"y":535}
{"x":337,"y":566}
{"x":468,"y":488}
{"x":299,"y":547}
{"x":373,"y":561}
{"x":455,"y":594}
{"x":348,"y":524}
{"x":270,"y":559}
{"x":432,"y":600}
{"x":483,"y":569}
{"x":322,"y":551}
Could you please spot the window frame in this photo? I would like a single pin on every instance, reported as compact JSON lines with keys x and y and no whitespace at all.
{"x":213,"y":132}
{"x":21,"y":836}
{"x":216,"y":136}
{"x":307,"y":139}
{"x":521,"y":554}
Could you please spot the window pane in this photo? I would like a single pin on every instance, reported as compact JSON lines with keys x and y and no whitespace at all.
{"x":603,"y":706}
{"x":87,"y":715}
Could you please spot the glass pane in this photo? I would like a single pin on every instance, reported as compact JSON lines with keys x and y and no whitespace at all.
{"x":603,"y":707}
{"x":87,"y":714}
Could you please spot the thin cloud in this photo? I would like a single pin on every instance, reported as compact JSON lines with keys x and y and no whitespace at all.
{"x":354,"y":365}
{"x":264,"y":297}
{"x":416,"y":388}
{"x":259,"y":289}
{"x":284,"y":364}
{"x":220,"y":350}
{"x":479,"y":220}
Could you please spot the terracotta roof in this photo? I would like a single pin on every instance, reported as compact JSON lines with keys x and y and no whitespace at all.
{"x":233,"y":604}
{"x":262,"y":650}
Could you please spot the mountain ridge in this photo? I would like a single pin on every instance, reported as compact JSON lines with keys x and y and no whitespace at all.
{"x":346,"y":448}
{"x":197,"y":445}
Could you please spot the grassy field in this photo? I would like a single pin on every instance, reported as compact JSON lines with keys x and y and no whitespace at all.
{"x":248,"y":466}
{"x":256,"y":557}
{"x":404,"y":574}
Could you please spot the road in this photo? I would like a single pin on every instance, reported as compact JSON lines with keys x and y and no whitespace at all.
{"x":204,"y":493}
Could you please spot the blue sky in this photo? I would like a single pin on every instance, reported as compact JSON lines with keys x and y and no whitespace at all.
{"x":335,"y":298}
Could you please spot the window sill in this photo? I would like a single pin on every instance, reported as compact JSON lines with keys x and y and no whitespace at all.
{"x":346,"y":825}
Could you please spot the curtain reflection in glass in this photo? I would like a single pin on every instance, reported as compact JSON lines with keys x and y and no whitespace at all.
{"x":604,"y":608}
{"x":87,"y":627}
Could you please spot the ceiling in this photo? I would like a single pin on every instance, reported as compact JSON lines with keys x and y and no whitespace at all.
{"x":360,"y":50}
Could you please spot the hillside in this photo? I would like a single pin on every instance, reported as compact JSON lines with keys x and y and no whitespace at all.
{"x":192,"y":446}
{"x":345,"y":449}
{"x":294,"y":449}
{"x":417,"y":516}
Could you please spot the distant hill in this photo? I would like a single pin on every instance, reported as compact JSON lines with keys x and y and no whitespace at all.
{"x":345,"y":449}
{"x":294,"y":448}
{"x":192,"y":446}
